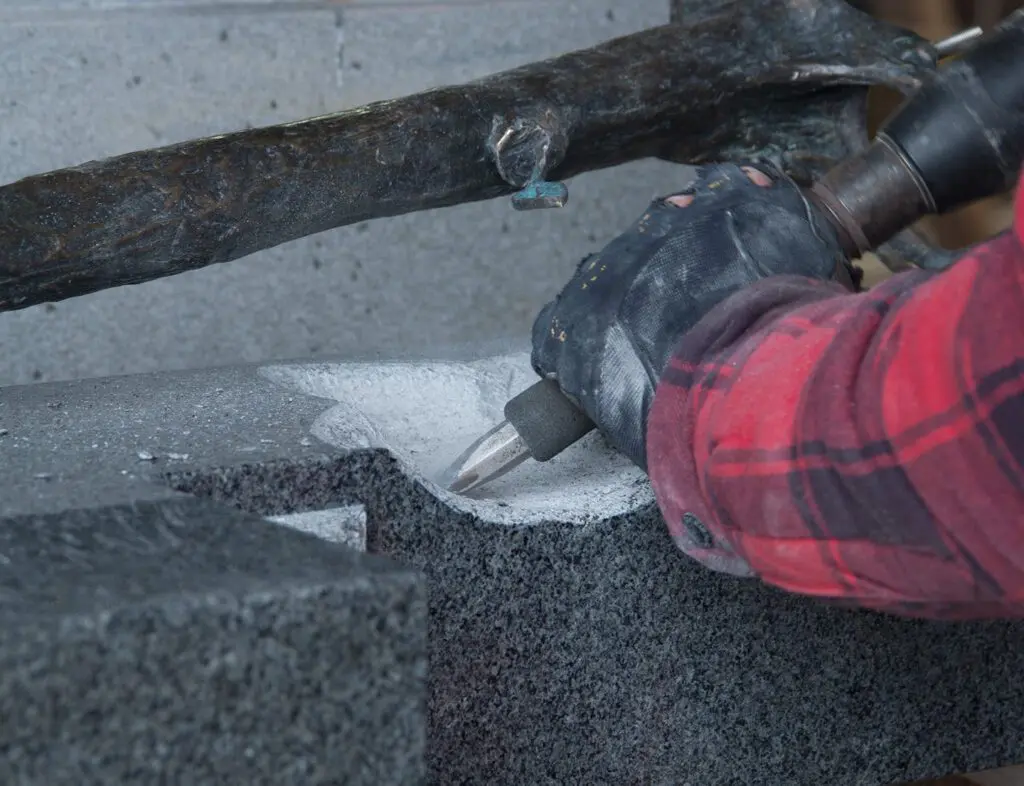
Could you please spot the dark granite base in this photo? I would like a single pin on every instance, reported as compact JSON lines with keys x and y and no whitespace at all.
{"x":178,"y":642}
{"x":560,"y":652}
{"x":566,"y":654}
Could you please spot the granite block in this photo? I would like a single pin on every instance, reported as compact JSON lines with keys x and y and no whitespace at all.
{"x":569,"y":641}
{"x":181,"y":642}
{"x":416,"y":283}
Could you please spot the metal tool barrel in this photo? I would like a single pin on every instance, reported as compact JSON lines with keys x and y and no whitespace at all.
{"x":959,"y":139}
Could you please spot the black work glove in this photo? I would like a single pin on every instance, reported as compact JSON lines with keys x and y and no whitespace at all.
{"x":609,"y":334}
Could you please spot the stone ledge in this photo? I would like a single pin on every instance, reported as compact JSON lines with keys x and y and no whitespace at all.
{"x":563,"y":647}
{"x":179,"y":642}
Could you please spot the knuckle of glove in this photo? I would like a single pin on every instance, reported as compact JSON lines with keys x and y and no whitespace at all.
{"x":786,"y":237}
{"x":557,"y":356}
{"x":570,"y":332}
{"x":774,"y":226}
{"x":713,"y":184}
{"x":563,"y":339}
{"x":545,"y":351}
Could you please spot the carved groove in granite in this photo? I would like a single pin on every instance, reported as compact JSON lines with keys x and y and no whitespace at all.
{"x":591,"y":651}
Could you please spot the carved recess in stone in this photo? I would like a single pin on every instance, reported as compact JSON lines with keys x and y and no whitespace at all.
{"x":425,"y":414}
{"x":571,"y":643}
{"x":578,"y":648}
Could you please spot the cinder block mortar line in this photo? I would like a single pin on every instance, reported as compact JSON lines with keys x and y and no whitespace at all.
{"x":71,"y":13}
{"x":339,"y":48}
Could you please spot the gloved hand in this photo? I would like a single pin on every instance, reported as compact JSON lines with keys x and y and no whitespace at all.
{"x":609,"y":334}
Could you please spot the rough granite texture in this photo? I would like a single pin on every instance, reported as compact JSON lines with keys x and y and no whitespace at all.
{"x":576,"y":649}
{"x":183,"y":642}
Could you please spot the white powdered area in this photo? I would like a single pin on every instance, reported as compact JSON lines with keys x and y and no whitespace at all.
{"x":427,"y":414}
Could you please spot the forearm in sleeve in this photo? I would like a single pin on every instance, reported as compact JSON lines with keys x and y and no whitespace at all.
{"x":864,"y":448}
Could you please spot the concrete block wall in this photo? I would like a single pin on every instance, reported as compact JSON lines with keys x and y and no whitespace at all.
{"x":85,"y":79}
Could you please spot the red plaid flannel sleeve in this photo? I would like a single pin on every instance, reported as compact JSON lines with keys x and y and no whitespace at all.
{"x":866,"y":449}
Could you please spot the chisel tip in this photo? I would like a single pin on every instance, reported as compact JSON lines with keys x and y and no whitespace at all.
{"x":492,"y":455}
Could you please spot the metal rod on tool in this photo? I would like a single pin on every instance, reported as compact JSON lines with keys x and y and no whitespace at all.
{"x":958,"y":42}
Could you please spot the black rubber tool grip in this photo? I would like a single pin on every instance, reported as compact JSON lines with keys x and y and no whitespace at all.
{"x":546,"y":420}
